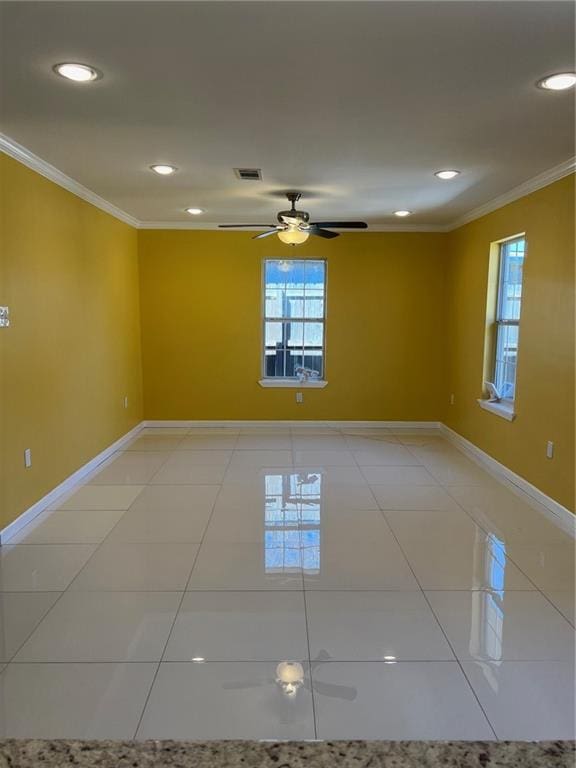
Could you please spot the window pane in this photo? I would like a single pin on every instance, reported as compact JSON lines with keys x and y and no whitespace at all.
{"x":506,"y":354}
{"x":508,"y":315}
{"x":512,"y":255}
{"x":294,"y":293}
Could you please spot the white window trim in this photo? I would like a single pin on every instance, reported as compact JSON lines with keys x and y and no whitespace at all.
{"x":271,"y":383}
{"x":504,"y":409}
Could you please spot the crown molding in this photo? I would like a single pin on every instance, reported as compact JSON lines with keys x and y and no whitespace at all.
{"x":532,"y":185}
{"x":30,"y":160}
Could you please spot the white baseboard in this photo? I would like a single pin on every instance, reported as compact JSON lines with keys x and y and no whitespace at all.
{"x":289,"y":423}
{"x":66,"y":485}
{"x":553,"y":510}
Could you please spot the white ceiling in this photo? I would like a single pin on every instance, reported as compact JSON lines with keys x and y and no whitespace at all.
{"x":355,"y":104}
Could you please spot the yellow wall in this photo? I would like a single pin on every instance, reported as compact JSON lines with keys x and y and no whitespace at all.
{"x":545,"y":377}
{"x":201,"y":325}
{"x":72,"y":352}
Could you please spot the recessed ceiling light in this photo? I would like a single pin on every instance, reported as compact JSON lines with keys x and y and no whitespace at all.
{"x":163,"y":170}
{"x":446,"y":174}
{"x":79,"y":73}
{"x":558,"y":82}
{"x":402,"y":213}
{"x":194,"y":211}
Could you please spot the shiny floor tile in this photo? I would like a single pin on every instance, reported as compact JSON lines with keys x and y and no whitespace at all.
{"x":320,"y":442}
{"x":374,"y":626}
{"x":100,"y":497}
{"x":73,"y":701}
{"x":261,"y":458}
{"x":353,"y":550}
{"x":20,"y":613}
{"x":103,"y":626}
{"x":161,"y":525}
{"x":276,"y":564}
{"x":208,"y":442}
{"x":549,"y":566}
{"x":405,"y":700}
{"x":385,"y":455}
{"x":152,"y":442}
{"x":447,"y":550}
{"x":239,"y":626}
{"x":264,"y":442}
{"x":413,"y":497}
{"x":564,"y":601}
{"x":176,"y":498}
{"x":233,"y":700}
{"x":526,"y":700}
{"x":130,"y":468}
{"x":121,"y":566}
{"x":323,"y":458}
{"x":403,"y":476}
{"x":514,"y":517}
{"x":503,"y":626}
{"x":69,"y":526}
{"x":180,"y":470}
{"x":41,"y":567}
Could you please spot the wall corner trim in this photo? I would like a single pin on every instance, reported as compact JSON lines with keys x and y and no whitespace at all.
{"x":35,"y":163}
{"x":66,"y":485}
{"x":554,"y":511}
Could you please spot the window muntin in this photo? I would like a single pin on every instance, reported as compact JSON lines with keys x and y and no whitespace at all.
{"x":294,"y":317}
{"x":508,"y":309}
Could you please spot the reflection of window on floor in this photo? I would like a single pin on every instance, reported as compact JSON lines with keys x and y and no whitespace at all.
{"x":292,"y":522}
{"x":488,"y":606}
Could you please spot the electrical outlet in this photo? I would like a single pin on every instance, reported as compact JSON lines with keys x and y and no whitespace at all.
{"x":126,"y":402}
{"x":27,"y":458}
{"x":549,"y":449}
{"x":299,"y":397}
{"x":452,"y":398}
{"x":4,"y":317}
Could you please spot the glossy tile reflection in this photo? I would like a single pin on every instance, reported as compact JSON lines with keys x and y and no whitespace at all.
{"x":288,"y":583}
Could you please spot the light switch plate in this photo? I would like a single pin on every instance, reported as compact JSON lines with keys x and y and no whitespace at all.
{"x":4,"y":317}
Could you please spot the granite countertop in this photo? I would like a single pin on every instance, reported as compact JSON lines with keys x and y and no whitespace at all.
{"x":326,"y":754}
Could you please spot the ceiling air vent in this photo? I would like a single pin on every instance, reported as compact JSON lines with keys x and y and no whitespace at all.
{"x":248,"y":174}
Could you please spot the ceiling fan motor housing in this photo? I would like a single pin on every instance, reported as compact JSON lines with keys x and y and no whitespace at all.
{"x":293,"y":216}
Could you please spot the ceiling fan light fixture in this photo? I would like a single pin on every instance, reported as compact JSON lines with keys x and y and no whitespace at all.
{"x":194,"y":211}
{"x":293,"y":236}
{"x":402,"y":213}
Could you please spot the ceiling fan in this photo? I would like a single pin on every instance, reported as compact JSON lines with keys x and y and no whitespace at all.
{"x":294,"y":227}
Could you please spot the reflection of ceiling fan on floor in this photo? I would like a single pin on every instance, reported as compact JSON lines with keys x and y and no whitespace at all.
{"x":294,"y":227}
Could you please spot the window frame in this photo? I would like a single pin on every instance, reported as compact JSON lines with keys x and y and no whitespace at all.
{"x":501,"y":323}
{"x":292,"y":381}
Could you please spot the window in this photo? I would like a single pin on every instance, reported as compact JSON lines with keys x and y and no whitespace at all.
{"x":511,"y":262}
{"x":294,"y":315}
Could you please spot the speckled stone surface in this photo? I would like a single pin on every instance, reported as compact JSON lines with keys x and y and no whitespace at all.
{"x":246,"y":754}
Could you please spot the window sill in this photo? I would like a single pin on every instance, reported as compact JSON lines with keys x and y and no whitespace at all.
{"x":293,"y":383}
{"x":503,"y":410}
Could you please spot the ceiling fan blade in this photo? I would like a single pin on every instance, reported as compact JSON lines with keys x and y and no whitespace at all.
{"x":341,"y":224}
{"x":322,"y":232}
{"x":265,"y":234}
{"x":238,"y":226}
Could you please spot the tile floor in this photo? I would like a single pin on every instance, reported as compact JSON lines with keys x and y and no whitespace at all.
{"x":288,"y":583}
